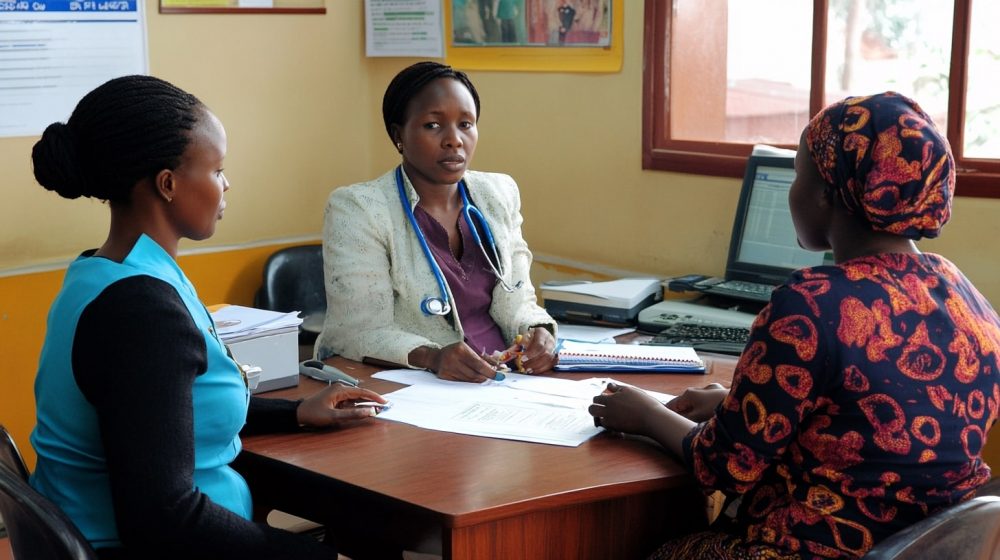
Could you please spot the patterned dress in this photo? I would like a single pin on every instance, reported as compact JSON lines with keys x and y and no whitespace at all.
{"x":860,"y":405}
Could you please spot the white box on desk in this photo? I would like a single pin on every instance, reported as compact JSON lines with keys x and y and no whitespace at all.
{"x":275,"y":353}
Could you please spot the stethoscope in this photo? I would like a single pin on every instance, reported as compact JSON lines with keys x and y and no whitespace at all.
{"x":439,"y":305}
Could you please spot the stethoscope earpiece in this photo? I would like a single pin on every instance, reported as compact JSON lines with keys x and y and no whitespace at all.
{"x":439,"y":305}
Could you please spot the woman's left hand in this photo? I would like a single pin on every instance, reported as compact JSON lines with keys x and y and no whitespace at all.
{"x":539,"y":351}
{"x":625,"y":409}
{"x":336,"y":405}
{"x":622,"y":408}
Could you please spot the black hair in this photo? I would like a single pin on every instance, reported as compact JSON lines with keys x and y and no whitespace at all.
{"x":128,"y":129}
{"x":408,"y":83}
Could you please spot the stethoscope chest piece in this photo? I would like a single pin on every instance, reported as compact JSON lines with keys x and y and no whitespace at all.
{"x":435,"y":306}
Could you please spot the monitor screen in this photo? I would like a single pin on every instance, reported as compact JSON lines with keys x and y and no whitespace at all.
{"x":764,"y":247}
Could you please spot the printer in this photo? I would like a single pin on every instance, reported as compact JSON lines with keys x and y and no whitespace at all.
{"x":668,"y":313}
{"x":612,"y":303}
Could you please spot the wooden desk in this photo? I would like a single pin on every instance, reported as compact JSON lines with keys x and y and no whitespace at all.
{"x":386,"y":485}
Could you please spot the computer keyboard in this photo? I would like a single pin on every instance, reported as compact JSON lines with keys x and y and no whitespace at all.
{"x":742,"y":290}
{"x":706,"y":338}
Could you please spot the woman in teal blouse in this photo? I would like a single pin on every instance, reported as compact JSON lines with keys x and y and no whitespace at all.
{"x":139,"y":405}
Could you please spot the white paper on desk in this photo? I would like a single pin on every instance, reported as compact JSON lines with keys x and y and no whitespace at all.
{"x":409,"y":376}
{"x":624,"y":292}
{"x":490,"y":410}
{"x":586,"y":333}
{"x":540,"y":386}
{"x":549,"y":386}
{"x":533,"y":388}
{"x":521,"y":407}
{"x":600,"y":382}
{"x":235,"y":320}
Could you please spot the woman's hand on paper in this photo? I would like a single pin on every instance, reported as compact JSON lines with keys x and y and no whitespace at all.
{"x":459,"y":362}
{"x":628,"y":409}
{"x":539,"y":355}
{"x":335,"y":405}
{"x":622,"y":408}
{"x":699,"y":404}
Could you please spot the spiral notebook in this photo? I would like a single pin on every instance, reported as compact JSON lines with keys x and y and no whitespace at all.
{"x":582,"y":356}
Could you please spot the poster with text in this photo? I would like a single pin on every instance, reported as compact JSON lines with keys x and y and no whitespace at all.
{"x":53,"y":52}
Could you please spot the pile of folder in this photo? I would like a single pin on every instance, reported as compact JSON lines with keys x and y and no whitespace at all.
{"x":265,"y":339}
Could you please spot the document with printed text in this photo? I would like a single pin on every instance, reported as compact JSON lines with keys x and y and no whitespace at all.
{"x":521,"y":407}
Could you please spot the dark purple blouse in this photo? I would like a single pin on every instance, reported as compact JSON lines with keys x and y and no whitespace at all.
{"x":471,"y":281}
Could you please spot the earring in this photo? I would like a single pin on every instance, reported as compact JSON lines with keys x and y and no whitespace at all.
{"x":399,"y":146}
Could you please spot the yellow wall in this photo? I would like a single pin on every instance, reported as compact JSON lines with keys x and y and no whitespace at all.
{"x":301,"y":104}
{"x":293,"y":95}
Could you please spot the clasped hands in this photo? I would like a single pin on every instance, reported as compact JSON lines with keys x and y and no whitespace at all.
{"x":628,"y":409}
{"x":459,"y":362}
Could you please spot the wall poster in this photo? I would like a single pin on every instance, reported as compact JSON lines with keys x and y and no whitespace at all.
{"x":540,"y":35}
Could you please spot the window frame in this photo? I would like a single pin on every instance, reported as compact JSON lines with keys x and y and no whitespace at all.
{"x":976,"y":177}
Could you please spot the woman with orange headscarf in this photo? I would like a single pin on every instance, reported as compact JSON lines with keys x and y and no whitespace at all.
{"x":862,"y":401}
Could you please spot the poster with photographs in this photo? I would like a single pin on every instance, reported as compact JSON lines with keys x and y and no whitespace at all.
{"x":527,"y":23}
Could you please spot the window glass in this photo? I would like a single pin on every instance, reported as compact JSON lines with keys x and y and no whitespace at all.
{"x":899,"y":45}
{"x":721,"y":75}
{"x":739,"y":71}
{"x":982,"y":110}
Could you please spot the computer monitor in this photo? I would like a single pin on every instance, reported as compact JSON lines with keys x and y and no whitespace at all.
{"x":764,"y":247}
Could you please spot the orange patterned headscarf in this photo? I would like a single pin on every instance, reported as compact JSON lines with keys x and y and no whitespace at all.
{"x":887,"y":161}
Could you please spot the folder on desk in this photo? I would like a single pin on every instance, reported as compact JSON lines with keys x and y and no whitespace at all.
{"x":262,"y":338}
{"x":581,"y":356}
{"x":616,"y":302}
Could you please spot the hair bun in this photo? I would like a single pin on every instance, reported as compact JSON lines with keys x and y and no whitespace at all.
{"x":55,"y":162}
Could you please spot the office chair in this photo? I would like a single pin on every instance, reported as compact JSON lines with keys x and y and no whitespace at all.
{"x":10,"y":456}
{"x":293,"y":281}
{"x":991,"y":488}
{"x":37,"y":528}
{"x":966,"y":531}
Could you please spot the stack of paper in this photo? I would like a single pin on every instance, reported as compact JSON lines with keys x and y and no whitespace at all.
{"x":589,"y":333}
{"x":581,"y":356}
{"x":234,"y":323}
{"x":521,"y":407}
{"x":624,"y":293}
{"x":258,"y":338}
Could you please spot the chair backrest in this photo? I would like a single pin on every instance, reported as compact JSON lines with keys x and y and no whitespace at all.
{"x":293,"y":281}
{"x":991,"y":488}
{"x":10,"y":456}
{"x":38,"y":529}
{"x":966,"y":531}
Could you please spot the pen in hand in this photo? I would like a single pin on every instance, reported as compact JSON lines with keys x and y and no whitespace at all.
{"x":495,"y":360}
{"x":515,"y":352}
{"x":376,"y":407}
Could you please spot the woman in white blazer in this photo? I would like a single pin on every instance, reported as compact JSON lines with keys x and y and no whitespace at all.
{"x":425,"y":266}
